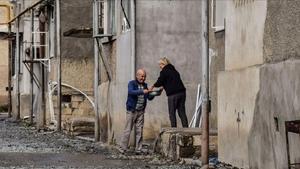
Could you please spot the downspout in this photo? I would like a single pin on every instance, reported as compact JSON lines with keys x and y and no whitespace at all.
{"x":31,"y":66}
{"x":133,"y":40}
{"x":96,"y":69}
{"x":42,"y":21}
{"x":58,"y":52}
{"x":9,"y":70}
{"x":133,"y":51}
{"x":17,"y":67}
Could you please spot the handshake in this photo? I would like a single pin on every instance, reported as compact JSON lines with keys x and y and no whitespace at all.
{"x":154,"y":91}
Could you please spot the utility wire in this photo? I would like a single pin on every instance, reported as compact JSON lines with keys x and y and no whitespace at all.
{"x":125,"y":14}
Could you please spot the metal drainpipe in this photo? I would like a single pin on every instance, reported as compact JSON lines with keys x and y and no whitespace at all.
{"x":17,"y":71}
{"x":133,"y":52}
{"x":9,"y":70}
{"x":42,"y":54}
{"x":133,"y":43}
{"x":96,"y":70}
{"x":31,"y":66}
{"x":205,"y":82}
{"x":58,"y":52}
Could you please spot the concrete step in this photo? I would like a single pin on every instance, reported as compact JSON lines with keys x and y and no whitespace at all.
{"x":178,"y":143}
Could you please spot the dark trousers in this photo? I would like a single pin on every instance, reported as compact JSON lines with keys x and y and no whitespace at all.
{"x":177,"y":102}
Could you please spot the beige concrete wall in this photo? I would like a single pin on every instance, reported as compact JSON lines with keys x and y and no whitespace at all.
{"x":278,"y":98}
{"x":3,"y":71}
{"x":78,"y":73}
{"x":264,"y":92}
{"x":244,"y":33}
{"x":237,"y":92}
{"x":238,"y":85}
{"x":4,"y":15}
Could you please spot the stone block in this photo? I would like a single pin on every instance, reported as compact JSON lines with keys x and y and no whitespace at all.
{"x":75,"y":105}
{"x":77,"y":98}
{"x":67,"y":111}
{"x":177,"y":143}
{"x":78,"y":112}
{"x":197,"y":140}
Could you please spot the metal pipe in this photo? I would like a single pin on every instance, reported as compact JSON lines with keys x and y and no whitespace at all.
{"x":133,"y":50}
{"x":205,"y":82}
{"x":9,"y":70}
{"x":133,"y":43}
{"x":42,"y":55}
{"x":31,"y":66}
{"x":17,"y":68}
{"x":96,"y":69}
{"x":58,"y":52}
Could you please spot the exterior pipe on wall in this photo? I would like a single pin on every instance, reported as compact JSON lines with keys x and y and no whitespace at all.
{"x":42,"y":27}
{"x":58,"y":53}
{"x":31,"y":66}
{"x":96,"y":69}
{"x":9,"y":71}
{"x":205,"y":82}
{"x":133,"y":43}
{"x":17,"y":67}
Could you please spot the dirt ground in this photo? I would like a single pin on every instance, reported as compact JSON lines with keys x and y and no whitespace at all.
{"x":22,"y":147}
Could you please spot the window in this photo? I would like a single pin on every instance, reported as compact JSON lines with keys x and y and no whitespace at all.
{"x":218,"y":13}
{"x":126,"y":15}
{"x":109,"y":17}
{"x":100,"y":6}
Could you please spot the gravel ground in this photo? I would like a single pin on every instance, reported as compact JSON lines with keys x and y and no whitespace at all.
{"x":22,"y":146}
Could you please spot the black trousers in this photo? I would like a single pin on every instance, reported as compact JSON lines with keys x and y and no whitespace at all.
{"x":177,"y":102}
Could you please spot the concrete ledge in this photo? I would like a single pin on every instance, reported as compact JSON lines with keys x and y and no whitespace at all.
{"x":178,"y":143}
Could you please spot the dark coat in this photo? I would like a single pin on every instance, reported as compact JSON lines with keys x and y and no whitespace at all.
{"x":170,"y":79}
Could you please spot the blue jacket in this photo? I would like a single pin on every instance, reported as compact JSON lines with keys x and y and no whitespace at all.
{"x":133,"y":92}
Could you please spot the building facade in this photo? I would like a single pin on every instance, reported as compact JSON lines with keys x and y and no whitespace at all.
{"x":5,"y":16}
{"x":259,"y":90}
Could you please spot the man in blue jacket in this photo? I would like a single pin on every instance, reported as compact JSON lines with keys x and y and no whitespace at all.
{"x":138,"y":93}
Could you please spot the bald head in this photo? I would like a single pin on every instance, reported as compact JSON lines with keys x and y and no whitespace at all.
{"x":141,"y":75}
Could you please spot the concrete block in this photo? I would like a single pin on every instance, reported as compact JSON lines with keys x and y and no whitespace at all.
{"x":177,"y":143}
{"x":78,"y":112}
{"x":75,"y":105}
{"x":67,"y":111}
{"x":85,"y":104}
{"x":77,"y":98}
{"x":197,"y":140}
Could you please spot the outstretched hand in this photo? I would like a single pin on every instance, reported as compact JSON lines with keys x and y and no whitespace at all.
{"x":146,"y":91}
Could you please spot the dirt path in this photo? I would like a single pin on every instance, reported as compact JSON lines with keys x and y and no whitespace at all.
{"x":24,"y":147}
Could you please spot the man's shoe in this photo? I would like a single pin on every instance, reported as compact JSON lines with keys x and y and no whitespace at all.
{"x":138,"y":152}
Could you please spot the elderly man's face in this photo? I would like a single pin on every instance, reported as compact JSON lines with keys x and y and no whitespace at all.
{"x":141,"y":76}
